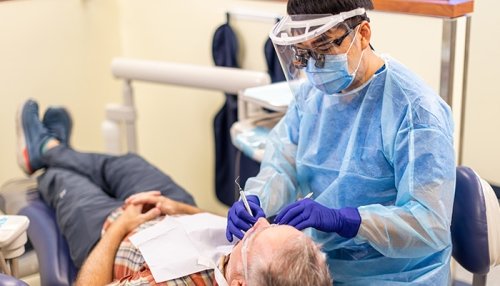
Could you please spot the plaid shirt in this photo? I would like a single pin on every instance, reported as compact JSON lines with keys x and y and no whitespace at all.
{"x":131,"y":269}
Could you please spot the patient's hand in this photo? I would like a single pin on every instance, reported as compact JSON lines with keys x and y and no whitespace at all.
{"x":166,"y":205}
{"x":147,"y":199}
{"x":155,"y":199}
{"x":150,"y":197}
{"x":133,"y":216}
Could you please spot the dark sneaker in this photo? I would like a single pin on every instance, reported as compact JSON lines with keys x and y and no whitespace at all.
{"x":59,"y":123}
{"x":31,"y":135}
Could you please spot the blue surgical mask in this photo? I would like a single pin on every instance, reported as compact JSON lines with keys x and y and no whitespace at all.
{"x":334,"y":76}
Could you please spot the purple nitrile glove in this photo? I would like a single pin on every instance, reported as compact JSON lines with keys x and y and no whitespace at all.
{"x":308,"y":213}
{"x":238,"y":218}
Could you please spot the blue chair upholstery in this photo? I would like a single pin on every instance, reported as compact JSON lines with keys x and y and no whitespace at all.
{"x":6,"y":280}
{"x":54,"y":262}
{"x":54,"y":265}
{"x":469,"y":225}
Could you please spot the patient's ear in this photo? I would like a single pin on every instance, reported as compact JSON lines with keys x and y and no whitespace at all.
{"x":238,"y":282}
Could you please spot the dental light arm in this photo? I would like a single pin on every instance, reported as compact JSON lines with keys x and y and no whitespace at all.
{"x":224,"y":79}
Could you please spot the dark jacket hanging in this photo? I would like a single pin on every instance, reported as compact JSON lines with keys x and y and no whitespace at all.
{"x":273,"y":64}
{"x":225,"y":52}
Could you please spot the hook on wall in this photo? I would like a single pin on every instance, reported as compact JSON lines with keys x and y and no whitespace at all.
{"x":254,"y":15}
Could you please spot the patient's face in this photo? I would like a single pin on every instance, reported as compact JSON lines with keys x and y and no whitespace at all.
{"x":259,"y":241}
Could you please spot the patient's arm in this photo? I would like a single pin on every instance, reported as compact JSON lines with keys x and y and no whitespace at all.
{"x":98,"y":267}
{"x":166,"y":205}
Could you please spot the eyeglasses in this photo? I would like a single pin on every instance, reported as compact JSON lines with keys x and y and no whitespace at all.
{"x":302,"y":56}
{"x":335,"y":43}
{"x":249,"y":237}
{"x":224,"y":263}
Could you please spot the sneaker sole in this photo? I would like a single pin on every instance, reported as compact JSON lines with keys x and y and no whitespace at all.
{"x":22,"y":151}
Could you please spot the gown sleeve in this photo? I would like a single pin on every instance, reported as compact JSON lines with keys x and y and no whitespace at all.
{"x":423,"y":158}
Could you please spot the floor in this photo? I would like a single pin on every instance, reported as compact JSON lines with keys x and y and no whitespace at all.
{"x":464,"y":278}
{"x":32,"y":280}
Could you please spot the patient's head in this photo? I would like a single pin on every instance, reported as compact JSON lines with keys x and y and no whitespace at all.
{"x":276,"y":255}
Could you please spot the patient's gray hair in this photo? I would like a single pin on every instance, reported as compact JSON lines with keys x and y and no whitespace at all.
{"x":299,"y":262}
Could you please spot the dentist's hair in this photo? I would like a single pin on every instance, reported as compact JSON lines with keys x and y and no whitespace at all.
{"x":297,"y":7}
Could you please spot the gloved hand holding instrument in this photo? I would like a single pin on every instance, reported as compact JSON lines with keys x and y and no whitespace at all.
{"x":308,"y":213}
{"x":240,"y":219}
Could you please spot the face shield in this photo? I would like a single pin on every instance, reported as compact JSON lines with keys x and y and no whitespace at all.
{"x":306,"y":41}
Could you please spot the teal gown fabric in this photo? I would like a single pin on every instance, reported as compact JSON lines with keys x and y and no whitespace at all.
{"x":385,"y":148}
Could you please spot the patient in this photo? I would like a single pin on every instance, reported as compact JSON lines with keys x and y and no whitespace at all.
{"x":101,"y":200}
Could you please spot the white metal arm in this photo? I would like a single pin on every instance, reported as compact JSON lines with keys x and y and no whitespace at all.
{"x":225,"y":79}
{"x":230,"y":80}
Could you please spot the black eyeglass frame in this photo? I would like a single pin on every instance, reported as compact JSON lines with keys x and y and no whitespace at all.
{"x":302,"y":56}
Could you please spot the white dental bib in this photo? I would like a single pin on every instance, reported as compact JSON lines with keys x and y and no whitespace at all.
{"x":181,"y":245}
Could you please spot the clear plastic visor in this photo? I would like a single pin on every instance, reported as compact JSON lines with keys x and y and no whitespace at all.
{"x":300,"y":40}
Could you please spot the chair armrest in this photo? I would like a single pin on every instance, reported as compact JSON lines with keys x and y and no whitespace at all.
{"x":55,"y":265}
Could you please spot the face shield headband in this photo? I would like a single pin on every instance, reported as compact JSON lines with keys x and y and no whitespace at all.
{"x":294,"y":29}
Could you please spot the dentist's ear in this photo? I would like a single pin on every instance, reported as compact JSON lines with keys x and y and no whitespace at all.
{"x":366,"y":33}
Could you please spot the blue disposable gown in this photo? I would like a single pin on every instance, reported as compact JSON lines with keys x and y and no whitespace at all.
{"x":385,"y":148}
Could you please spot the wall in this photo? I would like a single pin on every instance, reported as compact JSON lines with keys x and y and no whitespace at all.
{"x":175,"y":124}
{"x":415,"y":41}
{"x":173,"y":119}
{"x":57,"y":52}
{"x":482,"y":123}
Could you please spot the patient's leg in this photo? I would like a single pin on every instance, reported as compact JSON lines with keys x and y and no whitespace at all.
{"x":81,"y":208}
{"x":118,"y":176}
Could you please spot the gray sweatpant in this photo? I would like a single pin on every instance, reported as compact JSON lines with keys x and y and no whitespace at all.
{"x":85,"y":188}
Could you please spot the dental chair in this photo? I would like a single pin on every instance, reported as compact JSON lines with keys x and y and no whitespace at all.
{"x":53,"y":261}
{"x":475,"y":231}
{"x":476,"y":241}
{"x":20,"y":196}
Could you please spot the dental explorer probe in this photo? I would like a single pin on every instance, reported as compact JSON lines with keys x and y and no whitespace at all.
{"x":243,"y":197}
